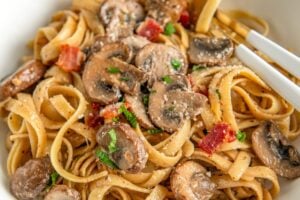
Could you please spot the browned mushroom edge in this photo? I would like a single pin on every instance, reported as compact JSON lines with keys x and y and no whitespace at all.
{"x":156,"y":60}
{"x":274,"y":150}
{"x":62,"y":192}
{"x":189,"y":180}
{"x":31,"y":179}
{"x":138,"y":109}
{"x":210,"y":51}
{"x":172,"y":103}
{"x":130,"y":154}
{"x":105,"y":74}
{"x":165,"y":11}
{"x":120,"y":17}
{"x":27,"y":75}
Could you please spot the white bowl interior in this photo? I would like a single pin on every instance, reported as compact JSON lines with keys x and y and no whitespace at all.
{"x":20,"y":19}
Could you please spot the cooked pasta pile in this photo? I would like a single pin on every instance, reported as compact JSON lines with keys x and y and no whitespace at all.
{"x":53,"y":117}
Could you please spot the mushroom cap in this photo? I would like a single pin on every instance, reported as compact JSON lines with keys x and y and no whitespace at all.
{"x":27,"y":75}
{"x":274,"y":150}
{"x":210,"y":50}
{"x":171,"y":104}
{"x":31,"y":179}
{"x":62,"y":192}
{"x":156,"y":61}
{"x":135,"y":43}
{"x":190,"y":182}
{"x":131,"y":155}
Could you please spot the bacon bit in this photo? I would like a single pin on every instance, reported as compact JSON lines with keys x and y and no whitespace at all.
{"x":221,"y":133}
{"x":150,"y":29}
{"x":70,"y":58}
{"x":94,"y":120}
{"x":112,"y":111}
{"x":185,"y":19}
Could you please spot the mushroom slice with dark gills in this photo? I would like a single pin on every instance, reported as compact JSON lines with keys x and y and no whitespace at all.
{"x":27,"y":75}
{"x":139,"y":110}
{"x":210,"y":50}
{"x":124,"y":146}
{"x":62,"y":192}
{"x":190,"y":182}
{"x":274,"y":150}
{"x":120,"y":17}
{"x":165,"y":11}
{"x":31,"y":179}
{"x":158,"y":60}
{"x":172,"y":103}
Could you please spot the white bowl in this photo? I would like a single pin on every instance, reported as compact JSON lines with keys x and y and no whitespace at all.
{"x":19,"y":20}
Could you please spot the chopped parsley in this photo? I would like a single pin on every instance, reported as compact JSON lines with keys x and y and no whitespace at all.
{"x":104,"y":158}
{"x":112,"y":146}
{"x":145,"y":99}
{"x":198,"y":68}
{"x":241,"y":136}
{"x":167,"y":79}
{"x":121,"y":99}
{"x":176,"y":64}
{"x":113,"y":70}
{"x":53,"y":178}
{"x":124,"y":79}
{"x":219,"y":94}
{"x":130,"y":117}
{"x":169,"y":29}
{"x":154,"y":131}
{"x":115,"y":119}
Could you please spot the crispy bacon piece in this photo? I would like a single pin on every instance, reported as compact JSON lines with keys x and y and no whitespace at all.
{"x":150,"y":29}
{"x":221,"y":133}
{"x":70,"y":58}
{"x":94,"y":120}
{"x":185,"y":19}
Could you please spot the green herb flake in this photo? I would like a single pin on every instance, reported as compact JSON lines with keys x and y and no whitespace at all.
{"x":113,"y":70}
{"x":104,"y":158}
{"x":198,"y":68}
{"x":169,"y":29}
{"x":241,"y":136}
{"x":219,"y":94}
{"x":124,"y":79}
{"x":130,"y":117}
{"x":115,"y":119}
{"x":53,"y":178}
{"x":153,"y":91}
{"x":154,"y":131}
{"x":112,"y":146}
{"x":167,"y":79}
{"x":145,"y":99}
{"x":176,"y":64}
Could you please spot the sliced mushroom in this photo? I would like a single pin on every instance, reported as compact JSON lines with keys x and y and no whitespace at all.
{"x":27,"y":75}
{"x":130,"y":154}
{"x":139,"y":110}
{"x":99,"y":84}
{"x":165,"y":11}
{"x":31,"y":179}
{"x":274,"y":150}
{"x":172,"y":103}
{"x":210,"y":50}
{"x":190,"y":182}
{"x":62,"y":192}
{"x":156,"y":61}
{"x":120,"y":17}
{"x":135,"y":43}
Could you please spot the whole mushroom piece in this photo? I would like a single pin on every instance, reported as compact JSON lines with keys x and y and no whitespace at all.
{"x":273,"y":149}
{"x":31,"y":179}
{"x":130,"y":154}
{"x":190,"y":182}
{"x":210,"y":51}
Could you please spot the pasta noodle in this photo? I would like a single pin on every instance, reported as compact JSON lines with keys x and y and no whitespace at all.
{"x":58,"y":118}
